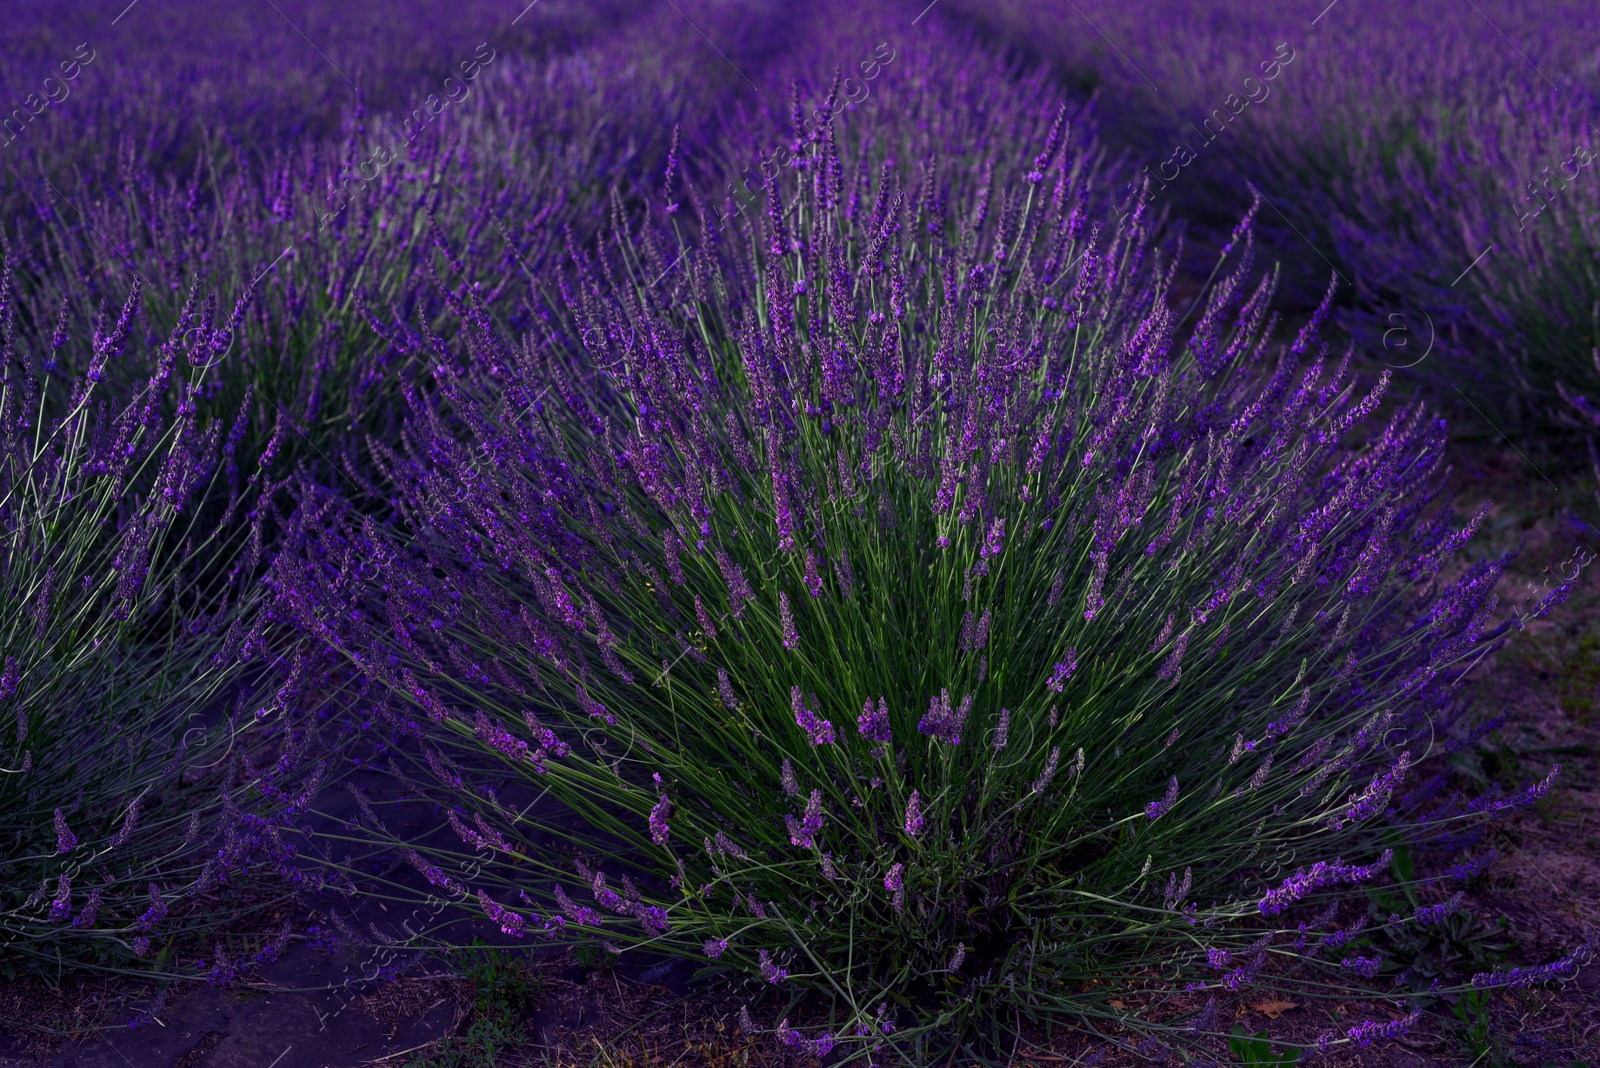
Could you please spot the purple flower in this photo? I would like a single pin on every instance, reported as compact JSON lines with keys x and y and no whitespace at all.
{"x":1049,"y":771}
{"x":894,"y":882}
{"x":791,"y":637}
{"x":1372,"y":800}
{"x":658,"y":821}
{"x":1366,"y":967}
{"x":1367,"y":1032}
{"x":61,"y":907}
{"x":820,"y":1046}
{"x":786,"y":779}
{"x":1172,"y":670}
{"x":819,"y":731}
{"x":574,"y":912}
{"x":715,"y":948}
{"x":65,"y":839}
{"x":813,"y":579}
{"x":1219,"y":958}
{"x":739,"y":591}
{"x":1518,"y":800}
{"x":1467,"y":869}
{"x":770,"y":971}
{"x":1002,"y":730}
{"x":942,"y":722}
{"x":1435,"y":913}
{"x":155,"y":913}
{"x":1156,"y":809}
{"x":1322,"y":873}
{"x":725,"y":689}
{"x":1519,"y":977}
{"x":90,"y":911}
{"x":994,"y":540}
{"x":844,"y":574}
{"x":702,"y":617}
{"x":608,"y":898}
{"x":652,"y":917}
{"x":914,"y":814}
{"x":803,"y":832}
{"x":873,"y":725}
{"x":1063,"y":671}
{"x":510,"y":922}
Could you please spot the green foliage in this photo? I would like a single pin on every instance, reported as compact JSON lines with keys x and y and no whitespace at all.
{"x":1254,"y":1051}
{"x":502,"y":987}
{"x":1473,"y":1030}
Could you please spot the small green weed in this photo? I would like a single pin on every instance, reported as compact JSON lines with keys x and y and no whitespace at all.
{"x":592,"y":957}
{"x":502,"y":986}
{"x":1471,"y":1011}
{"x":1253,"y":1051}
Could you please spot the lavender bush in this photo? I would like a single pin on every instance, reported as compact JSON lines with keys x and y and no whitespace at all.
{"x":891,"y":604}
{"x":125,"y":636}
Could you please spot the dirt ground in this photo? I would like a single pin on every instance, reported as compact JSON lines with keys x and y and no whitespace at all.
{"x":1540,"y":900}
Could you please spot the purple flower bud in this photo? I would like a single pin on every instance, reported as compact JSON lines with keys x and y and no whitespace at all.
{"x":725,"y":689}
{"x":1367,"y":1032}
{"x":511,"y":923}
{"x":704,"y":619}
{"x":1520,"y":977}
{"x":994,"y":541}
{"x":914,"y":814}
{"x":715,"y":947}
{"x":1156,"y":809}
{"x":819,"y":731}
{"x":770,"y":971}
{"x":813,"y":579}
{"x":1002,"y":730}
{"x":1323,"y":873}
{"x":1366,"y":967}
{"x":61,"y":907}
{"x":803,"y":832}
{"x":1049,"y":771}
{"x":1063,"y":671}
{"x":894,"y":882}
{"x":791,"y":637}
{"x":90,"y":912}
{"x":739,"y":592}
{"x":844,"y":574}
{"x":65,"y":839}
{"x":658,"y":821}
{"x":1435,"y":913}
{"x":942,"y":722}
{"x":575,"y":913}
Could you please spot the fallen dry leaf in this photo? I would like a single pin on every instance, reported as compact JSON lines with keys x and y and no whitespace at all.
{"x":1273,"y":1009}
{"x":1116,"y":1003}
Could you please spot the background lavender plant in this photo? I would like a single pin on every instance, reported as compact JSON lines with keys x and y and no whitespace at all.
{"x":890,"y":602}
{"x":1395,"y":147}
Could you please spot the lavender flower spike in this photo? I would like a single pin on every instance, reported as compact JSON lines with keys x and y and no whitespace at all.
{"x":658,"y":821}
{"x":803,"y":832}
{"x":894,"y":882}
{"x":1156,"y":809}
{"x":914,"y":819}
{"x":1063,"y":671}
{"x":818,"y":730}
{"x":1323,"y":873}
{"x":65,"y":839}
{"x":791,"y":637}
{"x":873,"y":723}
{"x":770,"y":971}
